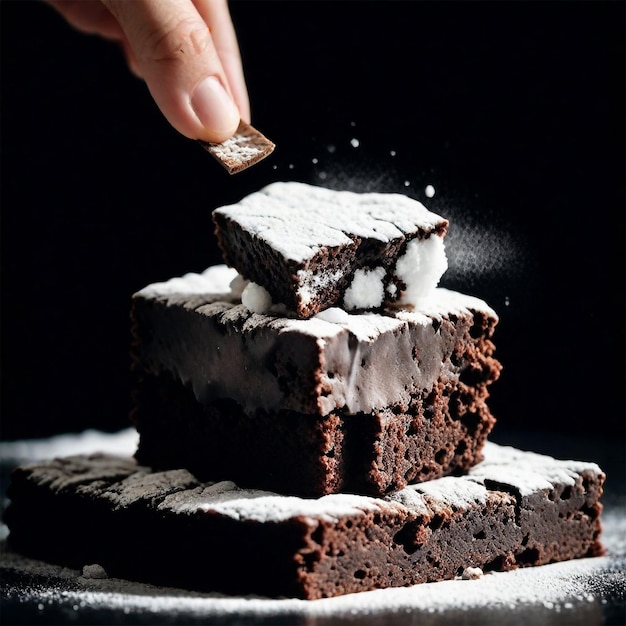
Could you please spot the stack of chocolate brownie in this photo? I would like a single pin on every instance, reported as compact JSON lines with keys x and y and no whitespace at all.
{"x":279,"y":387}
{"x":313,"y":420}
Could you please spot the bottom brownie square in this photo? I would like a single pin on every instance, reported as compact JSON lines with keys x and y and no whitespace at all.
{"x":514,"y":509}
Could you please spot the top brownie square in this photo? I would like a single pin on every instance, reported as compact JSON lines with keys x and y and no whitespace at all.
{"x":313,"y":248}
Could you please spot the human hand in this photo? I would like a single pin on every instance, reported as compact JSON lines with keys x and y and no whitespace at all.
{"x":185,"y":50}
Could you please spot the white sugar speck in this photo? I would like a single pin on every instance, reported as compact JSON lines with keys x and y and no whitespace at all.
{"x":331,"y":148}
{"x":314,"y":161}
{"x":354,"y":142}
{"x":291,"y":166}
{"x":429,"y":191}
{"x":392,"y":153}
{"x":407,"y":183}
{"x":322,"y":175}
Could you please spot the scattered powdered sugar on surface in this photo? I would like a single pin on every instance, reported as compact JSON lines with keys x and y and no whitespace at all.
{"x":580,"y":585}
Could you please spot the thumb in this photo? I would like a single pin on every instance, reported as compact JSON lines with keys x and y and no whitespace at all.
{"x":174,"y":52}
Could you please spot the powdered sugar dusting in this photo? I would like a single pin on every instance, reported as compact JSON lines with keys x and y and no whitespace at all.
{"x":334,"y":315}
{"x":246,"y":147}
{"x":578,"y":588}
{"x":294,"y":218}
{"x":238,"y":147}
{"x":224,"y":282}
{"x":261,"y":506}
{"x":450,"y":491}
{"x":444,"y":301}
{"x":311,"y":282}
{"x":528,"y":472}
{"x":121,"y":482}
{"x":216,"y":279}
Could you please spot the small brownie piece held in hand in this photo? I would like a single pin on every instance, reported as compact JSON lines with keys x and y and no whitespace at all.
{"x":245,"y":148}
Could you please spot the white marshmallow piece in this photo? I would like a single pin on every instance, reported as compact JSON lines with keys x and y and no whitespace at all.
{"x":366,"y":290}
{"x":421,"y":268}
{"x":256,"y":298}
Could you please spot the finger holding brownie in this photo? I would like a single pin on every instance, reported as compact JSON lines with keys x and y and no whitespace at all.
{"x":185,"y":50}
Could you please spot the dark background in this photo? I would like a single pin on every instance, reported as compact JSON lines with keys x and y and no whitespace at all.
{"x":513,"y":111}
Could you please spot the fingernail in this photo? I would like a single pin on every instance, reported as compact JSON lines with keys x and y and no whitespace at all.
{"x":214,"y":107}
